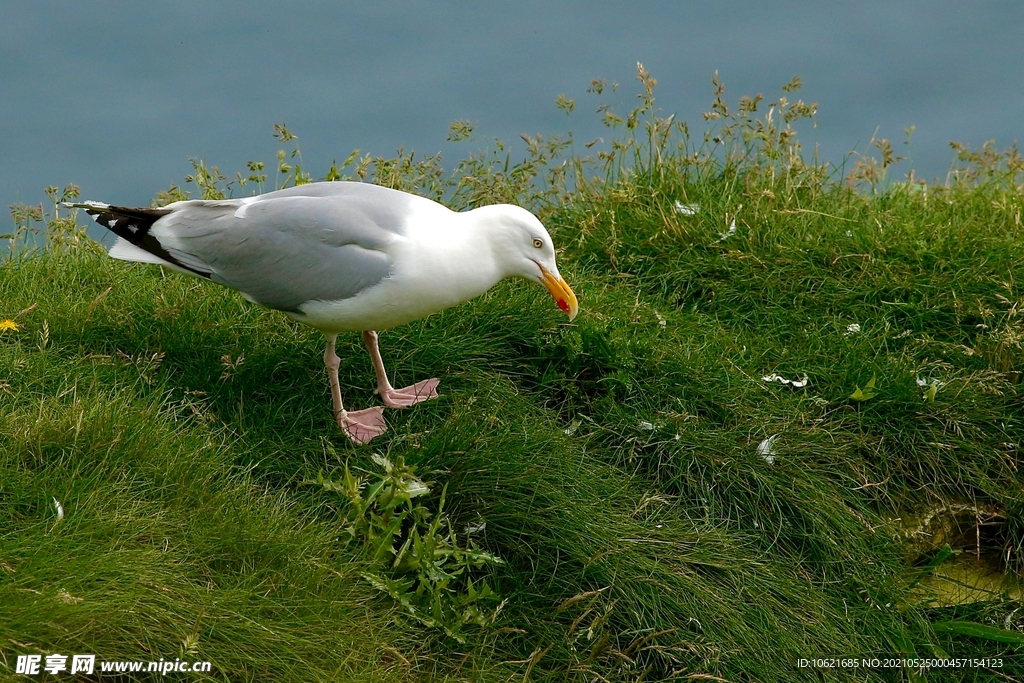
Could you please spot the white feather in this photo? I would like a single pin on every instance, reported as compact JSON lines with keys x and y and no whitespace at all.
{"x":126,"y":251}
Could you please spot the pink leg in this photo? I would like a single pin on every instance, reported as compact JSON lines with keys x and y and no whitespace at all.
{"x":396,"y":398}
{"x":361,"y":425}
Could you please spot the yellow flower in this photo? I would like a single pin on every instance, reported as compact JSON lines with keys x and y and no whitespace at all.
{"x":8,"y":325}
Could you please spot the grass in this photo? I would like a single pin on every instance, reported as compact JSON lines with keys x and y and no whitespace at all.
{"x":613,"y":460}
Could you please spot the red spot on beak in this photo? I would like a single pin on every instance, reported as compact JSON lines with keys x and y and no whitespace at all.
{"x":564,"y":305}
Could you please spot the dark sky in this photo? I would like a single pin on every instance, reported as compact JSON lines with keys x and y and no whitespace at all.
{"x":115,"y":96}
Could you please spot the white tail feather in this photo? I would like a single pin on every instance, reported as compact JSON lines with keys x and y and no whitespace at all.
{"x":126,"y":251}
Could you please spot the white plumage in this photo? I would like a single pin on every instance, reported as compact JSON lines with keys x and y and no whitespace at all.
{"x":344,"y":257}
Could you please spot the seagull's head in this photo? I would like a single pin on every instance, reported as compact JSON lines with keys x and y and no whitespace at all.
{"x":524,"y":249}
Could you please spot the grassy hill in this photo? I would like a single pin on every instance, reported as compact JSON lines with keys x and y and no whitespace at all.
{"x":622,"y":466}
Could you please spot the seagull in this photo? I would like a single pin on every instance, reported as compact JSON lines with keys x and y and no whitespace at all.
{"x":343,"y":257}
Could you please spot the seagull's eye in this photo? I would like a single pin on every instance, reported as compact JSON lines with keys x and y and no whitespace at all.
{"x":537,"y":242}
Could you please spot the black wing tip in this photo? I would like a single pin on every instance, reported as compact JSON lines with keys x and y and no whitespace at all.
{"x":133,"y":224}
{"x":128,"y":222}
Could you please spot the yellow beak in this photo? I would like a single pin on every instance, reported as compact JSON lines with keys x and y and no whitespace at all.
{"x":562,"y":293}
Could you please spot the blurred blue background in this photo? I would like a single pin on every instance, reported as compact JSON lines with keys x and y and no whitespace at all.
{"x":115,"y":96}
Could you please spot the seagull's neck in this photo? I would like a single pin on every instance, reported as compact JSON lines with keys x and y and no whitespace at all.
{"x":458,"y":251}
{"x":488,"y":228}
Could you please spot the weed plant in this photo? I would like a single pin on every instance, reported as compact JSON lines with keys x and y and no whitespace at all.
{"x":415,"y":553}
{"x":666,"y":507}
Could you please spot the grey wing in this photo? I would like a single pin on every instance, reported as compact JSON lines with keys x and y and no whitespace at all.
{"x":286,"y":248}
